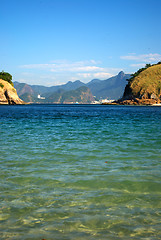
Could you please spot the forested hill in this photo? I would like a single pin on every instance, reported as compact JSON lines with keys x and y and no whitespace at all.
{"x":144,"y":87}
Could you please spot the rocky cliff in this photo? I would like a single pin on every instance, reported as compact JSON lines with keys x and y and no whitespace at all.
{"x":8,"y":94}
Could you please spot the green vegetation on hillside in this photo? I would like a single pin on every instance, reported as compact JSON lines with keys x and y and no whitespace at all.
{"x":6,"y":76}
{"x":145,"y":83}
{"x":1,"y":85}
{"x":76,"y":95}
{"x":81,"y":95}
{"x":141,"y":70}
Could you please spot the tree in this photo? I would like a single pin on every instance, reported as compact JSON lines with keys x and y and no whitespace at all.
{"x":148,"y":65}
{"x":6,"y":76}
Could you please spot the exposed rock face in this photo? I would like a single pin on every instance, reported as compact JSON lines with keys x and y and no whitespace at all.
{"x":8,"y":94}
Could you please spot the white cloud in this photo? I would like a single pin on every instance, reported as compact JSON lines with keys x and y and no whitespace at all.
{"x":84,"y":69}
{"x":37,"y":66}
{"x":71,"y":68}
{"x":147,"y":58}
{"x":60,"y":71}
{"x":138,"y":65}
{"x":84,"y":75}
{"x":100,"y":75}
{"x":66,"y":66}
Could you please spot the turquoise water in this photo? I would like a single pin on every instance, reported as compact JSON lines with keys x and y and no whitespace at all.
{"x":79,"y":172}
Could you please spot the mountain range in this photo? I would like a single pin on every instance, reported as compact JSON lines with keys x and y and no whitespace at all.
{"x":111,"y":88}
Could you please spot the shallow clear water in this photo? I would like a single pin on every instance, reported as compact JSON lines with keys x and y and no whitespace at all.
{"x":80,"y":172}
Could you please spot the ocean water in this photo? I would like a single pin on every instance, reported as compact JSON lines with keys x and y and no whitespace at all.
{"x":80,"y":172}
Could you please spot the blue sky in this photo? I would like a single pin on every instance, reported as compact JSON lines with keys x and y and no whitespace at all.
{"x":50,"y":42}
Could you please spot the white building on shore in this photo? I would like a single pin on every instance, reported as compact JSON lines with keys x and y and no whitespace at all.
{"x":39,"y":97}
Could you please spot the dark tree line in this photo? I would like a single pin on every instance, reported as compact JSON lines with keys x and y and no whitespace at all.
{"x":140,"y":70}
{"x":6,"y":76}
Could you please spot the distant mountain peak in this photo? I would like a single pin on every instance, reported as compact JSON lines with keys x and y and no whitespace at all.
{"x":77,"y":81}
{"x":121,"y":74}
{"x":95,"y":80}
